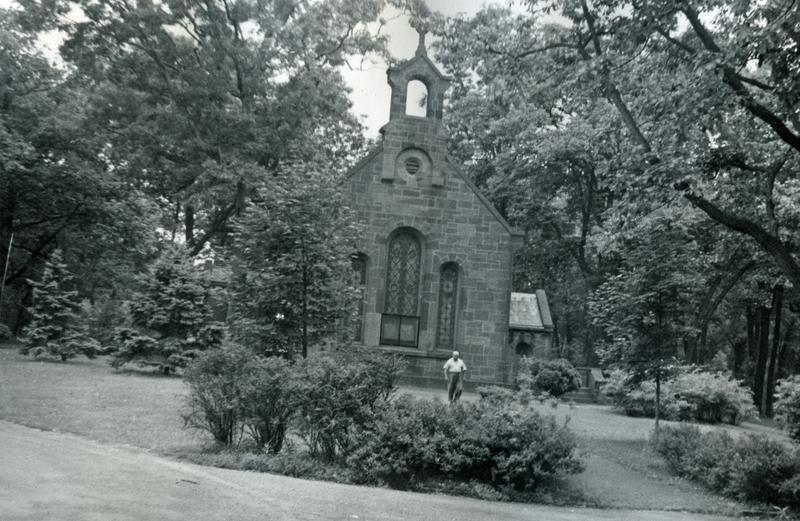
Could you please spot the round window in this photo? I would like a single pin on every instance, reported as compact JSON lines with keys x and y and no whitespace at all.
{"x":413,"y":164}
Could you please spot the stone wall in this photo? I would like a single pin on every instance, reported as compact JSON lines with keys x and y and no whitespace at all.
{"x":454,"y":224}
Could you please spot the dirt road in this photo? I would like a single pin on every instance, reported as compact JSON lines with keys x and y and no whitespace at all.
{"x":62,"y":477}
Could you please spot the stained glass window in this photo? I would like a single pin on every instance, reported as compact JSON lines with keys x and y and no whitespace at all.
{"x":402,"y":275}
{"x":446,"y":318}
{"x":360,"y":282}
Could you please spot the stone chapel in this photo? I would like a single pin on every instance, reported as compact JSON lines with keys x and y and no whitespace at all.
{"x":435,"y":261}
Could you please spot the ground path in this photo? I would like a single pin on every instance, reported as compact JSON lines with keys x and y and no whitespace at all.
{"x":47,"y":475}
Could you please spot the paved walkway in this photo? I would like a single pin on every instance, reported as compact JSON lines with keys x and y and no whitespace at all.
{"x":48,"y":475}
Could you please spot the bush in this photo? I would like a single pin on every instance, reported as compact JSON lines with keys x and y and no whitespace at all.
{"x":555,"y":377}
{"x":750,"y":467}
{"x":695,"y":395}
{"x":5,"y":333}
{"x":715,"y":397}
{"x":340,"y":393}
{"x":215,"y":400}
{"x":787,"y":405}
{"x":268,"y":400}
{"x":412,"y":441}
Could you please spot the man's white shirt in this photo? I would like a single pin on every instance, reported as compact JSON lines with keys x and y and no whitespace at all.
{"x":455,"y":366}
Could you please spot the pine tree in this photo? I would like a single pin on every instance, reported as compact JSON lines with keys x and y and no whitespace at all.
{"x":171,"y":316}
{"x":55,"y":329}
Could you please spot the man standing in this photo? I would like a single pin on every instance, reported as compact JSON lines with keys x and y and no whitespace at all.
{"x":454,"y":370}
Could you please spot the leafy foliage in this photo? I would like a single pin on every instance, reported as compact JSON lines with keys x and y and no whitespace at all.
{"x":5,"y":333}
{"x":321,"y":399}
{"x":689,"y":395}
{"x":215,"y":401}
{"x":340,"y":394}
{"x":750,"y":467}
{"x":411,"y":441}
{"x":294,"y":248}
{"x":787,"y":405}
{"x":54,"y":329}
{"x":555,"y":377}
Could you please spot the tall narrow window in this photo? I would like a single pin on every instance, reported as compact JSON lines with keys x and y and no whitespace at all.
{"x":360,"y":283}
{"x":400,"y":322}
{"x":402,"y":277}
{"x":448,"y":292}
{"x":416,"y":99}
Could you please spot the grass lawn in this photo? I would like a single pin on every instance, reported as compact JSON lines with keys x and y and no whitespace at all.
{"x":89,"y":398}
{"x":142,"y":409}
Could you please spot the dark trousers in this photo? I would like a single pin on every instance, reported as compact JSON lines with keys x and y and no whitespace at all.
{"x":454,"y":386}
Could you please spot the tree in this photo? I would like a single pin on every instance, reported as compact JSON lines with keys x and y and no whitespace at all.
{"x":171,"y":316}
{"x":644,"y":309}
{"x":57,"y":190}
{"x":582,"y":131}
{"x":54,"y":329}
{"x":194,"y":101}
{"x":294,"y":250}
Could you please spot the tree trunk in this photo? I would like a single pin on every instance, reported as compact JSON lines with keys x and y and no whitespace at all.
{"x":764,"y":314}
{"x":777,"y":306}
{"x":658,"y":402}
{"x":752,"y":332}
{"x":739,"y":348}
{"x":188,"y":224}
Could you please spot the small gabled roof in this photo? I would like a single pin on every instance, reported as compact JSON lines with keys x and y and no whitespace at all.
{"x":400,"y":67}
{"x":530,"y":312}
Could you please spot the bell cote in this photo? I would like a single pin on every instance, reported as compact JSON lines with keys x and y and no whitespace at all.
{"x":415,"y":117}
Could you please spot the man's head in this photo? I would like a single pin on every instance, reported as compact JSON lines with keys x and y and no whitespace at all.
{"x":455,"y":355}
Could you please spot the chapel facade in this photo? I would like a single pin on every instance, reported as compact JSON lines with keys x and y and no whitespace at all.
{"x":435,"y":259}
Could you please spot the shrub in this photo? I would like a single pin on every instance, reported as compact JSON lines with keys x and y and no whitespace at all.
{"x":756,"y":468}
{"x":714,"y":397}
{"x":694,"y":395}
{"x":555,"y":377}
{"x":5,"y":333}
{"x":215,"y":395}
{"x":787,"y":405}
{"x":411,"y":441}
{"x":268,"y":398}
{"x":340,"y":393}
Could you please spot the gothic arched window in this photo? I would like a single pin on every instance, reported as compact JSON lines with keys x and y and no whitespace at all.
{"x":402,"y":274}
{"x":446,"y":318}
{"x":400,"y":322}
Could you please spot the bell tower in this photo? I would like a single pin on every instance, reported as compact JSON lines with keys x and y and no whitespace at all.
{"x":416,"y":145}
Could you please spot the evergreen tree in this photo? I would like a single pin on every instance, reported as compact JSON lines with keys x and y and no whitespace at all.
{"x":171,"y":316}
{"x":294,"y":248}
{"x":54,"y":329}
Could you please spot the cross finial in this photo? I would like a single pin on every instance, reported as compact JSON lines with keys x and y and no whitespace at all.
{"x":421,"y":45}
{"x":421,"y":23}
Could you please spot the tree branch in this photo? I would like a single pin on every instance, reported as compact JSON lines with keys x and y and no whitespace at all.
{"x":733,"y":80}
{"x":772,"y":244}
